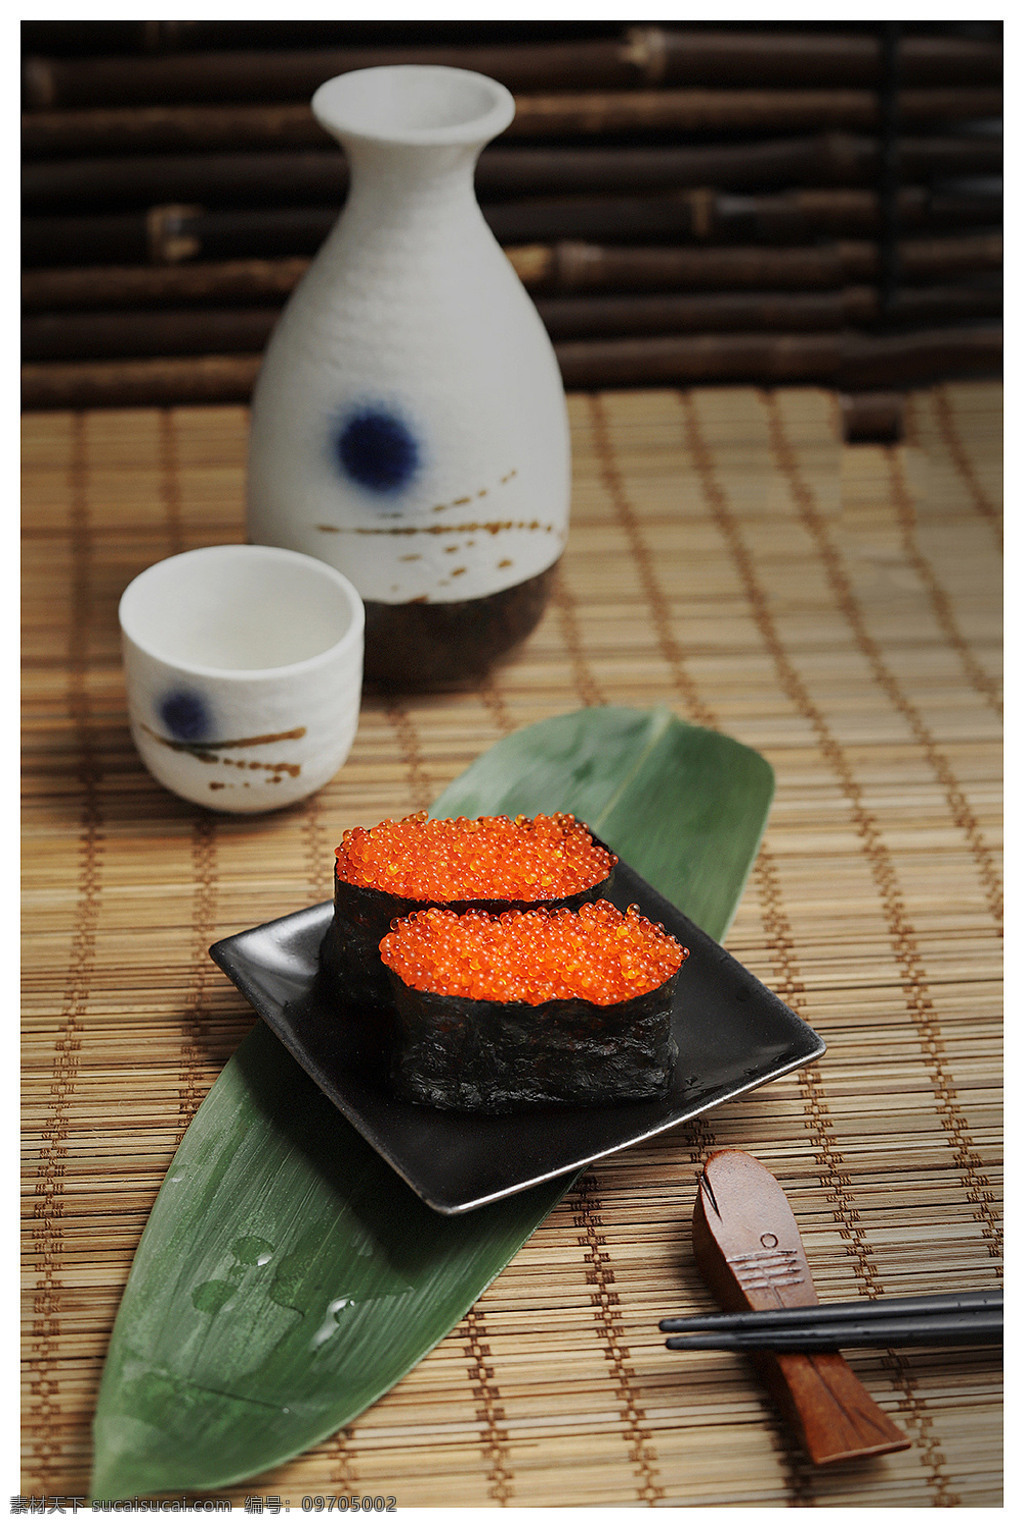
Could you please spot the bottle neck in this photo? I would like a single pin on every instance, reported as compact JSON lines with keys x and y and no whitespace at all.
{"x":415,"y":180}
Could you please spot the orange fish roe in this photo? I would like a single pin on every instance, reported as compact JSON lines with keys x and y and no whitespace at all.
{"x":598,"y":954}
{"x":453,"y":859}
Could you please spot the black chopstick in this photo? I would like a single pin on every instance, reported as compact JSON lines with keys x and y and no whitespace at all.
{"x":943,"y":1320}
{"x":840,"y":1310}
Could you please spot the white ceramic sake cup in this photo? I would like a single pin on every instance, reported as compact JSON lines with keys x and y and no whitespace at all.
{"x":243,"y":667}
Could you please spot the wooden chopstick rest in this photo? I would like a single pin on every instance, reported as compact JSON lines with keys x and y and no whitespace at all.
{"x":750,"y":1255}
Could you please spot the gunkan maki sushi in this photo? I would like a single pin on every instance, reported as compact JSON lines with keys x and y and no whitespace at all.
{"x":496,"y":863}
{"x":498,"y":1013}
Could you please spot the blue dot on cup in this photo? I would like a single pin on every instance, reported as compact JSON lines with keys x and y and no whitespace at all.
{"x":186,"y":715}
{"x":377,"y":450}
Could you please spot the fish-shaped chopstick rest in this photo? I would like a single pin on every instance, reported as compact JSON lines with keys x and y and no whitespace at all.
{"x":750,"y":1255}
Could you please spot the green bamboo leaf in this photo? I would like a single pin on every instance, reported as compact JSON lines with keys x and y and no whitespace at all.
{"x":684,"y":806}
{"x":287,"y":1277}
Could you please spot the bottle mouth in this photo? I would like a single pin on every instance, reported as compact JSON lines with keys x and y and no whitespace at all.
{"x":415,"y":104}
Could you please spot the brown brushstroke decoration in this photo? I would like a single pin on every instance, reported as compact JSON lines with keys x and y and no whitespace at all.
{"x":238,"y":742}
{"x":212,"y":753}
{"x":493,"y":527}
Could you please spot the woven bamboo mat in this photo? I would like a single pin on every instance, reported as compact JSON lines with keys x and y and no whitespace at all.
{"x":835,"y":608}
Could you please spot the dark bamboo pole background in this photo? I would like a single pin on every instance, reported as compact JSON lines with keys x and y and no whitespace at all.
{"x":546,"y":179}
{"x":850,"y":361}
{"x":70,"y":334}
{"x":575,"y":116}
{"x":706,"y":203}
{"x":644,"y":55}
{"x":170,"y":234}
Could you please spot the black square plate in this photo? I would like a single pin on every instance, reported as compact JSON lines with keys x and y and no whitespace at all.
{"x":733,"y":1035}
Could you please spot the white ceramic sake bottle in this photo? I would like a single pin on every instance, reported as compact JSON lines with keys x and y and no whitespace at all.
{"x":409,"y":423}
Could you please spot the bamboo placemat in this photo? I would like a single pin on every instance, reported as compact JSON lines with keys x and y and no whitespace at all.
{"x":837,"y":609}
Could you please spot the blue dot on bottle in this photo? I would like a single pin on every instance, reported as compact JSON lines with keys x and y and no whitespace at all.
{"x":186,"y":715}
{"x":377,"y":450}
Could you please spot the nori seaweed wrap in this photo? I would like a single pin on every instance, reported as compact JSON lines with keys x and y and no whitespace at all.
{"x":494,"y":863}
{"x":512,"y":1046}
